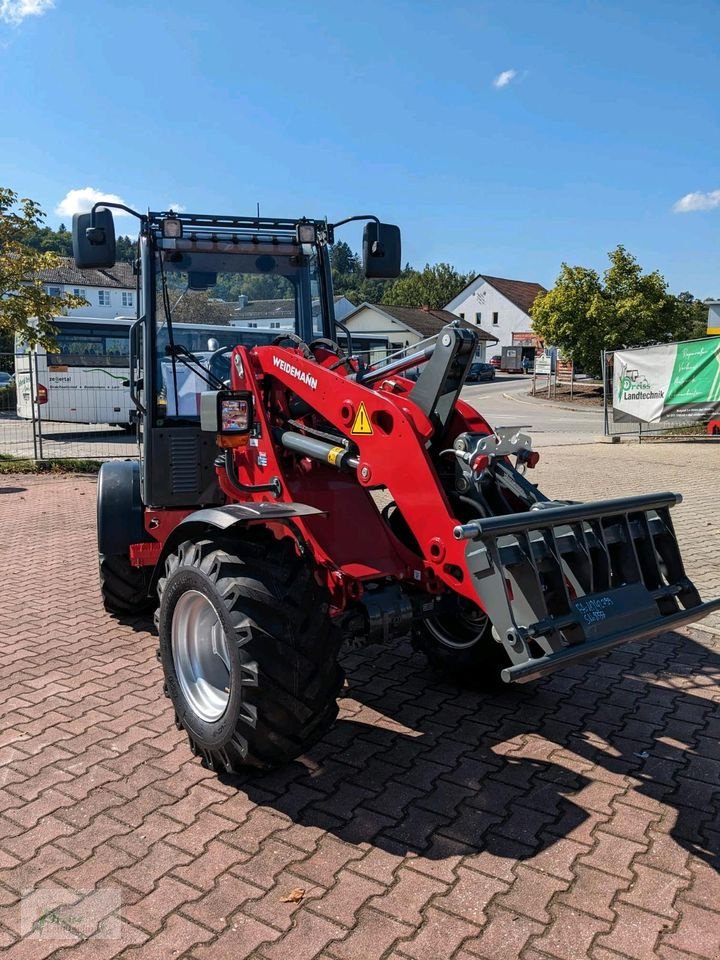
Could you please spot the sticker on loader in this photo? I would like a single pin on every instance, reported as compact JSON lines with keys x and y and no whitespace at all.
{"x":361,"y":423}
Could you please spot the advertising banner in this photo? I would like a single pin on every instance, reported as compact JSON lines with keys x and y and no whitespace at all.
{"x":673,"y":380}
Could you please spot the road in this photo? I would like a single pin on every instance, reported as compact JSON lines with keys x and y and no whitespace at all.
{"x":505,"y":402}
{"x":63,"y":440}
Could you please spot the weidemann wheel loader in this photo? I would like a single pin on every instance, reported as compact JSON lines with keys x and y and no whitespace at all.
{"x":252,"y":520}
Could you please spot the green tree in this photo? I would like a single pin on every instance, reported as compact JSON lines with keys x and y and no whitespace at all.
{"x":350,"y":281}
{"x":584,"y":314}
{"x":25,"y":306}
{"x":694,"y":314}
{"x":430,"y":287}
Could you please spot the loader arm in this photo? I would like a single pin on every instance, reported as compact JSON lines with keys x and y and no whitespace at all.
{"x":560,"y":582}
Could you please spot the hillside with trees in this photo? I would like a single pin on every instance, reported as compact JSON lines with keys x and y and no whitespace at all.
{"x":583,"y":314}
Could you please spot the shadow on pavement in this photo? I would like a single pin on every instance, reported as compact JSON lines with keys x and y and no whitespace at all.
{"x":416,"y":765}
{"x":423,"y":767}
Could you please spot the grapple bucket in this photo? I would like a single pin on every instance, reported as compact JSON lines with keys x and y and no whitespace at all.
{"x":562,"y":583}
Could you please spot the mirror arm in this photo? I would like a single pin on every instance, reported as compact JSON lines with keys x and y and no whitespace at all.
{"x":116,"y":206}
{"x":368,"y":216}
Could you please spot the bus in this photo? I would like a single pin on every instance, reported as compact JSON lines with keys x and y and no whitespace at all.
{"x":85,"y":379}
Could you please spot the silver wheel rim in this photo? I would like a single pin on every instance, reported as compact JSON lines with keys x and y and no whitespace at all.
{"x":200,"y":654}
{"x":461,"y":631}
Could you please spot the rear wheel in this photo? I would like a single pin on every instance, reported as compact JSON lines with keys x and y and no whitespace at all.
{"x":248,"y":651}
{"x":458,"y":642}
{"x":124,"y":588}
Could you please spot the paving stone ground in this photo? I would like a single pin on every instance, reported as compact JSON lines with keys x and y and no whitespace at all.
{"x":576,"y":817}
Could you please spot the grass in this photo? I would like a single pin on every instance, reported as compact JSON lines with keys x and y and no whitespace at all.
{"x":10,"y":464}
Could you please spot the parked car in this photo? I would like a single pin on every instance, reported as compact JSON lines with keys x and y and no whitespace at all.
{"x":6,"y":378}
{"x":479,"y":372}
{"x":495,"y":361}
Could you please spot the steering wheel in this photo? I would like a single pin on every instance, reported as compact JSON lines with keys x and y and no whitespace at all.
{"x":218,"y":363}
{"x":297,"y":341}
{"x":332,"y":347}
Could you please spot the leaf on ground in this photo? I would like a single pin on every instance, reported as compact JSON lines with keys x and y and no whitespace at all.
{"x":295,"y":895}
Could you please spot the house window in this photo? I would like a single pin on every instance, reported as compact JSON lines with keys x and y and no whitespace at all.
{"x":79,"y":291}
{"x":55,"y":291}
{"x":127,"y":299}
{"x":104,"y":298}
{"x":478,"y":318}
{"x":495,"y":319}
{"x":274,"y":324}
{"x":252,"y":325}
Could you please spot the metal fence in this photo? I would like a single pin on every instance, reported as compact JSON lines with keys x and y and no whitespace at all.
{"x":668,"y":428}
{"x":29,"y":430}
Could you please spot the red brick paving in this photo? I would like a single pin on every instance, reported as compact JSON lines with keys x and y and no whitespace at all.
{"x":430,"y":822}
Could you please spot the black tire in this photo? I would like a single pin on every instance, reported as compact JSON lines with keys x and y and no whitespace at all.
{"x":124,"y":588}
{"x":279,"y":651}
{"x":459,"y":644}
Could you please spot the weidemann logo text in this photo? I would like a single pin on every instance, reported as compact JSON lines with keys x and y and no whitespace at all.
{"x":294,"y":372}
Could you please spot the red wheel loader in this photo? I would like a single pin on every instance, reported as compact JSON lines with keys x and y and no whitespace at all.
{"x":288,"y":497}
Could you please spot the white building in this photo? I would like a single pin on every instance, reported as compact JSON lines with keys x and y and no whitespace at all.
{"x":275,"y":314}
{"x":713,"y":326}
{"x":386,"y":329}
{"x":110,"y":293}
{"x":499,"y":307}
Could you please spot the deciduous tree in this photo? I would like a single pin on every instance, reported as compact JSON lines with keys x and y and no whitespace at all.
{"x":585,"y":314}
{"x":433,"y":286}
{"x":26,"y":308}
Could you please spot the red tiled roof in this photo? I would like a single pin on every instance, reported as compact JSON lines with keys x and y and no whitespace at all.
{"x":519,"y":292}
{"x":121,"y":275}
{"x":425,"y":322}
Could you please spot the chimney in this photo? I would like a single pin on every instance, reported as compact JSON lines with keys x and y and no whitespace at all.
{"x":243,"y":300}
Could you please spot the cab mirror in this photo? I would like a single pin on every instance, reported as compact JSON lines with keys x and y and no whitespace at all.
{"x":381,"y":251}
{"x":93,"y":246}
{"x":227,"y":413}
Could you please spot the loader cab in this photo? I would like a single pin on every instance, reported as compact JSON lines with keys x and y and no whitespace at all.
{"x":244,"y":280}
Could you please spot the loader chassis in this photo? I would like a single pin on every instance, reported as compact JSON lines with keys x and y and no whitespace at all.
{"x":318,"y":500}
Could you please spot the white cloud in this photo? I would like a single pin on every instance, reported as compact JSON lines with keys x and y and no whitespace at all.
{"x":177,"y":207}
{"x":504,"y":78}
{"x":15,"y":11}
{"x":81,"y":200}
{"x":697,"y":201}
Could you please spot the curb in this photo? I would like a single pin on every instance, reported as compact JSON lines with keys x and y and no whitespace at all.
{"x":533,"y":402}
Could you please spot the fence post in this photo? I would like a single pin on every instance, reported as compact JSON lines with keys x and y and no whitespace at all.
{"x":31,"y":374}
{"x":606,"y":419}
{"x":37,"y":420}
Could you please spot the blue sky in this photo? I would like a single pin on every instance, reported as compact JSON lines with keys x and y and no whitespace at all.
{"x":608,"y":118}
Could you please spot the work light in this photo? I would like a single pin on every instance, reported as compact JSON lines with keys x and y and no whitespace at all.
{"x":172,"y":228}
{"x":306,"y":233}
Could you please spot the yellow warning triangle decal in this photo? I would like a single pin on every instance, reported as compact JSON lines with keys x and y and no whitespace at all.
{"x":361,"y":423}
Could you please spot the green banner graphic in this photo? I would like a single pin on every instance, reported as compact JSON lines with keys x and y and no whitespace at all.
{"x":672,"y":380}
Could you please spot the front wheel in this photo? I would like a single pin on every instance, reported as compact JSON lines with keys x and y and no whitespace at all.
{"x":248,"y":651}
{"x":458,"y":642}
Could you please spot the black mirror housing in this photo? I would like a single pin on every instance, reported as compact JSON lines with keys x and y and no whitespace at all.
{"x":381,"y":251}
{"x":93,"y":246}
{"x":199,"y":280}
